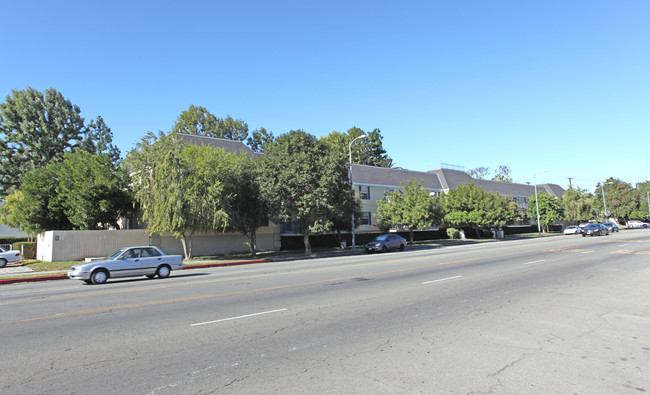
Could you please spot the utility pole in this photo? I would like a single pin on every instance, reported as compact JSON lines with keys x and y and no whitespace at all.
{"x":570,"y":181}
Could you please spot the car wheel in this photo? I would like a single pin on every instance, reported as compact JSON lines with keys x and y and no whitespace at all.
{"x":163,"y":271}
{"x":151,"y":275}
{"x":99,"y":276}
{"x":583,"y":235}
{"x":401,"y":247}
{"x":384,"y":249}
{"x":3,"y":262}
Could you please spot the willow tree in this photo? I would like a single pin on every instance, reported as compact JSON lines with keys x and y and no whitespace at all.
{"x":181,"y":187}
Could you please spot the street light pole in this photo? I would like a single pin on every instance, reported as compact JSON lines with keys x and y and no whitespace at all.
{"x":363,"y":136}
{"x":602,"y":190}
{"x":539,"y":228}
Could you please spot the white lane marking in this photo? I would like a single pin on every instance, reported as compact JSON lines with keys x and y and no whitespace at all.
{"x":622,"y":245}
{"x":530,"y":263}
{"x":236,"y":318}
{"x":587,"y":252}
{"x":442,"y":279}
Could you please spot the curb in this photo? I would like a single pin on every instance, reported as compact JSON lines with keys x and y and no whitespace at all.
{"x":33,"y":279}
{"x":65,"y":277}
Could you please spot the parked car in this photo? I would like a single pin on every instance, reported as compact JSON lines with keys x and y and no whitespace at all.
{"x":147,"y":261}
{"x":636,"y":224}
{"x":611,"y":227}
{"x":573,"y":230}
{"x":387,"y":242}
{"x":594,"y":229}
{"x":7,"y":256}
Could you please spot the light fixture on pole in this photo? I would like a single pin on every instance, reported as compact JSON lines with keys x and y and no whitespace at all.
{"x":363,"y":136}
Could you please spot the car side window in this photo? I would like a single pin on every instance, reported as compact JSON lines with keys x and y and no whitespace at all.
{"x":149,"y":252}
{"x":133,"y":253}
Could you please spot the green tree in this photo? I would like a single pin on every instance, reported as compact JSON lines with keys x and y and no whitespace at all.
{"x":248,"y":209}
{"x":259,"y":139}
{"x":643,"y":188}
{"x":620,"y":198}
{"x":93,"y":190}
{"x":35,"y":129}
{"x":181,"y":187}
{"x":367,"y":151}
{"x":84,"y":191}
{"x":578,"y":205}
{"x":98,"y":139}
{"x":410,"y":206}
{"x":469,"y":206}
{"x":11,"y":210}
{"x":298,"y":174}
{"x":550,"y":209}
{"x":199,"y":121}
{"x":43,"y":207}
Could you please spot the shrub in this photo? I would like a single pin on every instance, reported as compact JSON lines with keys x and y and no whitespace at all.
{"x":28,"y":250}
{"x":453,"y":233}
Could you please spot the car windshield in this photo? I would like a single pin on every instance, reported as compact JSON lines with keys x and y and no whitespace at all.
{"x":114,"y":255}
{"x":381,"y":238}
{"x":591,"y":226}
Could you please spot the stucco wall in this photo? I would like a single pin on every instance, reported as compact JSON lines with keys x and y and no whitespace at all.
{"x":76,"y":245}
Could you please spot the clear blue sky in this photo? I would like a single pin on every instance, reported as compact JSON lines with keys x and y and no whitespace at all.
{"x":556,"y":85}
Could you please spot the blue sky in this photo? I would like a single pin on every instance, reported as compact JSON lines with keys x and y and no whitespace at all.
{"x":562,"y":86}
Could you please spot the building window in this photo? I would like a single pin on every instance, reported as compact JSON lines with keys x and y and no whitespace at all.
{"x":364,"y":192}
{"x":365,"y":218}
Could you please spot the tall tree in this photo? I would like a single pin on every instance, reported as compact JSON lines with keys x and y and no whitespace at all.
{"x":410,"y":206}
{"x":502,"y":174}
{"x":94,"y":191}
{"x":550,"y":209}
{"x":469,"y":206}
{"x":620,"y":198}
{"x":259,"y":139}
{"x":35,"y":129}
{"x":643,"y":211}
{"x":298,"y":173}
{"x":578,"y":205}
{"x":84,"y":191}
{"x":367,"y":151}
{"x":199,"y":121}
{"x":480,"y":173}
{"x":248,"y":209}
{"x":98,"y":139}
{"x":181,"y":187}
{"x":43,"y":207}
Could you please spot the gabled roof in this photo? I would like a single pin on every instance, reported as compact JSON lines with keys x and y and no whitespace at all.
{"x":391,"y":177}
{"x":451,"y":179}
{"x":233,"y":146}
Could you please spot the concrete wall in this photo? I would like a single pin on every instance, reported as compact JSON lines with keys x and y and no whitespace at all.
{"x":76,"y":245}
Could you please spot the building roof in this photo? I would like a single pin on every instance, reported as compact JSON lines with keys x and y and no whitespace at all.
{"x":445,"y":180}
{"x":233,"y":146}
{"x":436,"y":180}
{"x":392,"y":177}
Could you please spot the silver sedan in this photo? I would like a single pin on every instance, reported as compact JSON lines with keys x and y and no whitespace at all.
{"x":386,"y":243}
{"x":147,"y":261}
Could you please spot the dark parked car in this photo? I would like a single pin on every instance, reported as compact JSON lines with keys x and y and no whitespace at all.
{"x":611,"y":227}
{"x":594,"y":229}
{"x":385,"y":243}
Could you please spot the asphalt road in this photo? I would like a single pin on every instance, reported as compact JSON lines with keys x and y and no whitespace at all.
{"x":567,"y":315}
